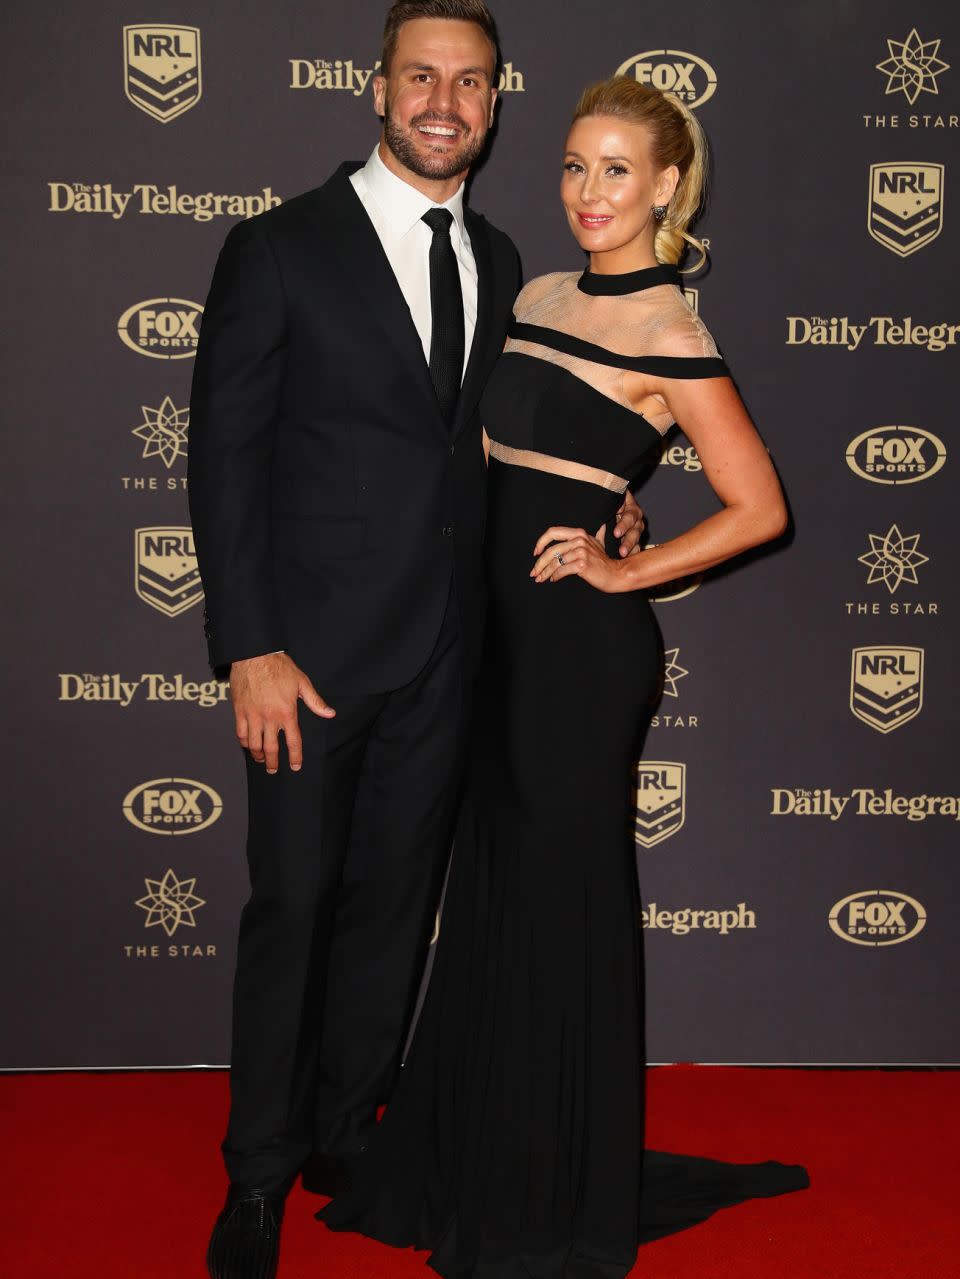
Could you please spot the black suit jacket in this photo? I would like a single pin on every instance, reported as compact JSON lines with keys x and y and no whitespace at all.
{"x":331,"y":503}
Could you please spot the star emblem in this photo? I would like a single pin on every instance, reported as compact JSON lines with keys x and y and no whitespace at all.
{"x":673,"y":671}
{"x":170,"y":902}
{"x":164,"y":431}
{"x":893,"y":558}
{"x":913,"y":66}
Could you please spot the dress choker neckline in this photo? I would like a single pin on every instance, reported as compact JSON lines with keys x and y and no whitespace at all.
{"x":630,"y":282}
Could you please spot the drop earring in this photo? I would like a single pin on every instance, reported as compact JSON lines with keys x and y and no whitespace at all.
{"x":659,"y":212}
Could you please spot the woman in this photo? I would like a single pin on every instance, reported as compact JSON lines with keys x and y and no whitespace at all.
{"x":513,"y":1145}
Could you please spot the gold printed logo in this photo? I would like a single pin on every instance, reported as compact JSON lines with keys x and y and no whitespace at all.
{"x":877,"y":917}
{"x":893,"y":559}
{"x":343,"y":74}
{"x":684,"y":75}
{"x":172,"y":806}
{"x":164,"y":431}
{"x":162,"y":328}
{"x":170,"y":903}
{"x":886,"y":686}
{"x":905,"y":208}
{"x":661,"y":801}
{"x":161,"y":69}
{"x":166,"y":575}
{"x":912,"y":66}
{"x":896,"y":455}
{"x":672,"y":672}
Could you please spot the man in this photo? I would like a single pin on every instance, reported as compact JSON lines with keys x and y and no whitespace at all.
{"x":337,"y":496}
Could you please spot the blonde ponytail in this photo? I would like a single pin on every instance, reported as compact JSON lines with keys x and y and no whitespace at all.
{"x":675,"y":138}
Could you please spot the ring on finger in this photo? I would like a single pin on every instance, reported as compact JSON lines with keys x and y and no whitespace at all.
{"x":560,"y":560}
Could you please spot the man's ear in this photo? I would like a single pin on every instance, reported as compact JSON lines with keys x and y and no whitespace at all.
{"x":493,"y":106}
{"x":380,"y":95}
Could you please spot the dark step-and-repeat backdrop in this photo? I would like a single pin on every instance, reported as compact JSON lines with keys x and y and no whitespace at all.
{"x":798,"y":802}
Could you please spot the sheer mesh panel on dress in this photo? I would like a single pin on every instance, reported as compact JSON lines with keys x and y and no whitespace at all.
{"x":656,"y":321}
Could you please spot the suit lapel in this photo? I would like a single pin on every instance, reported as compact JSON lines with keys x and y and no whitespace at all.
{"x":483,"y":336}
{"x":364,"y":264}
{"x":365,"y":267}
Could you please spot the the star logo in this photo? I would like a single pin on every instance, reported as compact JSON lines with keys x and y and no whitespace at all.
{"x":673,"y":671}
{"x":164,"y":431}
{"x":893,"y":558}
{"x":913,"y":66}
{"x":170,"y":902}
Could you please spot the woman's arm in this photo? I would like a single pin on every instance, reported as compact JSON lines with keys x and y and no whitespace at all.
{"x":738,"y":468}
{"x":740,"y":472}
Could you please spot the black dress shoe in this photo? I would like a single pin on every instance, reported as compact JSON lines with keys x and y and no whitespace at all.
{"x":245,"y":1243}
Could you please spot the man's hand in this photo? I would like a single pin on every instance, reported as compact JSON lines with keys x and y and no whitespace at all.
{"x":264,"y":691}
{"x":629,"y":526}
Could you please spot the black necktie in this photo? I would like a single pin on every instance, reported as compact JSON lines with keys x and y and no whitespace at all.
{"x":446,"y":306}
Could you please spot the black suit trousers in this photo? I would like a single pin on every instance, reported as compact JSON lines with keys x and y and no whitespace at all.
{"x":346,"y":863}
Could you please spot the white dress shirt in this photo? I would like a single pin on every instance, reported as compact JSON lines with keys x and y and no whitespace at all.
{"x":395,"y":209}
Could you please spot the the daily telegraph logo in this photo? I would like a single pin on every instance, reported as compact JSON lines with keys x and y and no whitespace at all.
{"x":683,"y":457}
{"x":170,"y":903}
{"x":166,"y":574}
{"x":162,"y":328}
{"x":152,"y":686}
{"x":879,"y":330}
{"x":877,"y":917}
{"x":905,"y":205}
{"x":886,"y":685}
{"x":661,"y":801}
{"x":896,"y":454}
{"x":346,"y":76}
{"x":161,"y":69}
{"x":686,"y":919}
{"x":862,"y":801}
{"x":172,"y":806}
{"x":148,"y":198}
{"x":912,"y":66}
{"x":685,"y":75}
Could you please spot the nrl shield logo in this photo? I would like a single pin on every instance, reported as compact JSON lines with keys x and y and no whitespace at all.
{"x":165,"y":569}
{"x":886,"y":686}
{"x":161,"y":69}
{"x":905,"y":210}
{"x":661,"y":801}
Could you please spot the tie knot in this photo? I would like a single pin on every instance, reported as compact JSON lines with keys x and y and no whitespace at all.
{"x":438,"y":220}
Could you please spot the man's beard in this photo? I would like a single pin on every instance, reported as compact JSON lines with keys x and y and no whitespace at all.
{"x":435,"y":166}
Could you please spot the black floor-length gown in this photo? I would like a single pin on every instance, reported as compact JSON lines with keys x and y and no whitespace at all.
{"x":513,"y":1146}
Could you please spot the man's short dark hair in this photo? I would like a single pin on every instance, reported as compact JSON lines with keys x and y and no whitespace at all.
{"x":475,"y":11}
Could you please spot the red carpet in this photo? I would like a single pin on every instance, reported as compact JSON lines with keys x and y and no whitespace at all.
{"x":118,"y":1177}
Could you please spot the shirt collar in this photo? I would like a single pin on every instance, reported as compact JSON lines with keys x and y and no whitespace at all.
{"x":402,"y":205}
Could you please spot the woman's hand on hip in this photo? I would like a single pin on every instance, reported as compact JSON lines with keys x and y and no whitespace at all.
{"x":573,"y":552}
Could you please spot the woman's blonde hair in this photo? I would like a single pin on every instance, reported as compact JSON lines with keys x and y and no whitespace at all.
{"x":675,"y":138}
